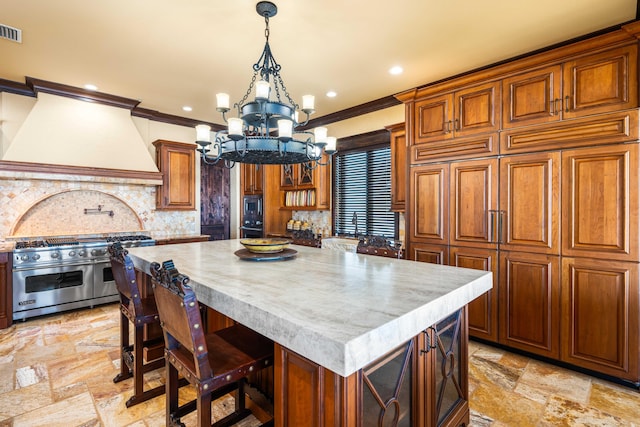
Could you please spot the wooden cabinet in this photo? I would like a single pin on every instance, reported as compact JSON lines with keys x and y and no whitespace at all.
{"x":587,"y":85}
{"x":425,"y":378}
{"x":530,"y":203}
{"x":252,"y":178}
{"x":529,"y":292}
{"x":600,"y":202}
{"x":600,"y":316}
{"x":306,"y":186}
{"x":532,"y":97}
{"x":429,"y":204}
{"x":473,"y":202}
{"x":601,"y":82}
{"x":176,"y":162}
{"x":475,"y":109}
{"x":6,"y":290}
{"x":398,"y":142}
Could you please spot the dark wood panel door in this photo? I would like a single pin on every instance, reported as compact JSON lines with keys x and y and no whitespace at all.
{"x":429,"y":219}
{"x":600,"y":202}
{"x":530,"y":203}
{"x":473,"y":203}
{"x":600,"y":316}
{"x":532,"y":98}
{"x":602,"y":82}
{"x":483,"y":311}
{"x":529,"y":289}
{"x":477,"y":109}
{"x":433,"y":119}
{"x":214,"y":200}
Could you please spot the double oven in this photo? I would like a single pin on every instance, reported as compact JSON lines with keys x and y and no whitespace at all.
{"x":62,"y":274}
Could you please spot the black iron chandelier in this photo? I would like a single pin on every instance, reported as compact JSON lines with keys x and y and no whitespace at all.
{"x":265,"y":130}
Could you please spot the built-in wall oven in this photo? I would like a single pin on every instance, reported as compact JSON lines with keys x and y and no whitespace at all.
{"x":251,"y":217}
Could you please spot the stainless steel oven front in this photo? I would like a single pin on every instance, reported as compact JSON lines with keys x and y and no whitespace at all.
{"x":104,"y":285}
{"x":44,"y":290}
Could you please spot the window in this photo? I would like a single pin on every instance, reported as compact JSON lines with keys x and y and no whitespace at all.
{"x":363,"y":187}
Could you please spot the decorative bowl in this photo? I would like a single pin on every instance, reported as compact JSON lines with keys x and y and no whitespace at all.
{"x":265,"y":246}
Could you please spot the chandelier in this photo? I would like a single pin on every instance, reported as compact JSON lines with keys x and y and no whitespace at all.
{"x":265,"y":131}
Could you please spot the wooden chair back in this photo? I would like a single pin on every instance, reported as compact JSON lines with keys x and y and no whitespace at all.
{"x":124,"y":275}
{"x":179,"y":313}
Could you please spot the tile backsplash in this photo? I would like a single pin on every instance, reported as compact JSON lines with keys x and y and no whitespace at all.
{"x":45,"y":207}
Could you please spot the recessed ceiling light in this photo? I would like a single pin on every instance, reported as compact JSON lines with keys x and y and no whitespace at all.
{"x":186,"y":108}
{"x":331,"y":94}
{"x":89,"y":86}
{"x":396,"y":70}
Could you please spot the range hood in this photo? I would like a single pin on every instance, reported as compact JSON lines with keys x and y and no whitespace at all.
{"x":66,"y":131}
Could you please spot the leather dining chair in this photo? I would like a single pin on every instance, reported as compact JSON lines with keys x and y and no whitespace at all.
{"x":216,"y":363}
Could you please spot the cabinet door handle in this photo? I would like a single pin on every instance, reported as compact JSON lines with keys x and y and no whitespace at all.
{"x":500,"y":227}
{"x":492,"y":226}
{"x":456,"y":124}
{"x":567,"y":99}
{"x":429,"y":340}
{"x":447,"y":128}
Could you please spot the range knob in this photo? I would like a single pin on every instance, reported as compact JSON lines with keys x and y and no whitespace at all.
{"x":72,"y":253}
{"x":82,"y":253}
{"x":24,"y":257}
{"x":55,"y":255}
{"x":35,"y":257}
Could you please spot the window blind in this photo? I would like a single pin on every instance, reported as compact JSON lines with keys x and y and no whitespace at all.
{"x":363,"y":186}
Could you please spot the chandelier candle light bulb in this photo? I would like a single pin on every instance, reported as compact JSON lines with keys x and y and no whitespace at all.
{"x":250,"y":137}
{"x":222,"y":101}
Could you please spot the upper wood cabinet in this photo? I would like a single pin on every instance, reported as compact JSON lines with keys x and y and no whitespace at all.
{"x":467,"y":111}
{"x":398,"y":143}
{"x":591,"y":84}
{"x":252,"y":177}
{"x":176,"y":161}
{"x":533,"y":97}
{"x":315,"y":178}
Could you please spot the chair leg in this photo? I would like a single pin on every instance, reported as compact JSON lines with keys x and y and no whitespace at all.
{"x":204,"y":409}
{"x":139,"y":395}
{"x":172,"y":407}
{"x":125,"y":372}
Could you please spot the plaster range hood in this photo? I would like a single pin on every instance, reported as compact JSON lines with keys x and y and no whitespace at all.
{"x":66,"y":131}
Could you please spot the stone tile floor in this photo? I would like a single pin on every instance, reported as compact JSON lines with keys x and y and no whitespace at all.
{"x":57,"y":371}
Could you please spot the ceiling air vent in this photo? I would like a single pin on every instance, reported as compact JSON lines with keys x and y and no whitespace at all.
{"x":10,"y":33}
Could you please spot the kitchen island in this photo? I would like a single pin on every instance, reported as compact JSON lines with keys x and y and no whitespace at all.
{"x":357,"y":337}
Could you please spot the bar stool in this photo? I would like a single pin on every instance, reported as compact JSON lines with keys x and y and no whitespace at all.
{"x":139,"y":312}
{"x":215,"y":363}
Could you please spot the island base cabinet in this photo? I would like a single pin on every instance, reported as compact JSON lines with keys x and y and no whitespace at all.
{"x":600,"y":316}
{"x":423,"y":382}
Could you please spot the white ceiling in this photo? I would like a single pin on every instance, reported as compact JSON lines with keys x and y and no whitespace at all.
{"x":169,"y":53}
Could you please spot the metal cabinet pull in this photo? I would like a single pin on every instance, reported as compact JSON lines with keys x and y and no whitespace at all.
{"x":500,"y":227}
{"x":429,"y":340}
{"x":456,"y":124}
{"x":566,"y":103}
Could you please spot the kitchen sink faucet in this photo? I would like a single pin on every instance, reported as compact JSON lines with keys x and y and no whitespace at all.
{"x":354,"y":221}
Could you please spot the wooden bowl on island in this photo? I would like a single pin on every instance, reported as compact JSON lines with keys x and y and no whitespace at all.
{"x":265,"y":246}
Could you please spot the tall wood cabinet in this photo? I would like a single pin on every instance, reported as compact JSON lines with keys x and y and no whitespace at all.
{"x":538,"y":184}
{"x":6,"y":290}
{"x":251,"y":178}
{"x":176,"y":162}
{"x":398,"y":143}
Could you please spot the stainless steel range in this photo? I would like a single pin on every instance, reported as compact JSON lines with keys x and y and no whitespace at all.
{"x":59,"y":274}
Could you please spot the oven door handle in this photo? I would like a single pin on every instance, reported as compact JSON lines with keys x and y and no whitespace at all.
{"x":250,"y":228}
{"x":51,"y":265}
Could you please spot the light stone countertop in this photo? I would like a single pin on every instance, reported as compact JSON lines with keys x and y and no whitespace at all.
{"x":339,"y":309}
